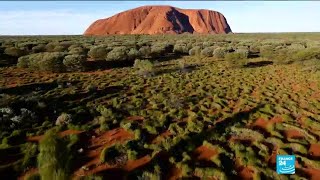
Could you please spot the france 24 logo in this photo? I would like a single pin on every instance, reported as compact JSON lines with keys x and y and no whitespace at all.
{"x":286,"y":164}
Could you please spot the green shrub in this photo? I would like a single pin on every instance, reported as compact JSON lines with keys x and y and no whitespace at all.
{"x":195,"y":51}
{"x":254,"y":48}
{"x":116,"y":154}
{"x":160,"y":49}
{"x":78,"y":50}
{"x":29,"y":150}
{"x":182,"y":64}
{"x":145,"y":51}
{"x":118,"y":54}
{"x":306,"y":54}
{"x":75,"y":62}
{"x":50,"y":47}
{"x":267,"y":51}
{"x":132,"y":155}
{"x":207,"y":44}
{"x":181,"y":49}
{"x":63,"y":119}
{"x":99,"y":52}
{"x":207,"y":52}
{"x":220,"y":52}
{"x":39,"y":48}
{"x":16,"y":52}
{"x":54,"y":157}
{"x":144,"y":67}
{"x":59,"y":48}
{"x":237,"y":55}
{"x":23,"y":62}
{"x":133,"y":54}
{"x":296,"y":46}
{"x":66,"y":44}
{"x":43,"y":61}
{"x":50,"y":61}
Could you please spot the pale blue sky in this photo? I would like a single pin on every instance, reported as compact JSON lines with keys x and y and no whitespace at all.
{"x":58,"y":17}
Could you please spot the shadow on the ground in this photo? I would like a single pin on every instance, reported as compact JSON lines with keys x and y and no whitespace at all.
{"x":258,"y":64}
{"x":6,"y":60}
{"x":29,"y":88}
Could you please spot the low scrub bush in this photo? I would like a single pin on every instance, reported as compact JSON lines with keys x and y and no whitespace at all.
{"x":306,"y":54}
{"x":207,"y":43}
{"x":160,"y":49}
{"x":238,"y":58}
{"x":133,"y":54}
{"x":39,"y":48}
{"x":195,"y":51}
{"x":144,"y":67}
{"x":296,"y":46}
{"x":66,"y":44}
{"x":75,"y":62}
{"x":239,"y":54}
{"x":54,"y":157}
{"x":29,"y":150}
{"x":145,"y":51}
{"x":118,"y":54}
{"x":15,"y":52}
{"x":43,"y":61}
{"x":266,"y":51}
{"x":220,"y":52}
{"x":207,"y":52}
{"x":181,"y":49}
{"x":63,"y":119}
{"x":59,"y":48}
{"x":51,"y":47}
{"x":78,"y":50}
{"x":99,"y":52}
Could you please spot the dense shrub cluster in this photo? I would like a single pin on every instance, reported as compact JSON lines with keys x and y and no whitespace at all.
{"x":129,"y":48}
{"x":43,"y":61}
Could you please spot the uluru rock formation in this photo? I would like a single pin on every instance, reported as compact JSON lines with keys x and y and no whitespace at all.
{"x":161,"y":20}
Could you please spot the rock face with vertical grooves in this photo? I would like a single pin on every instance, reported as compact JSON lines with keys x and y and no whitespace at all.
{"x":161,"y":20}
